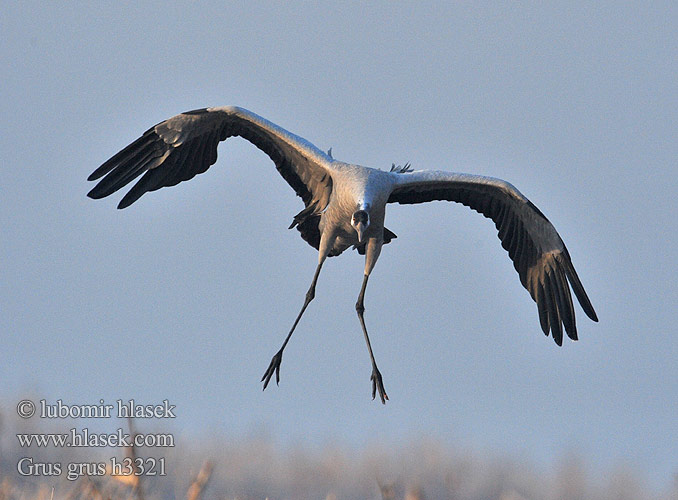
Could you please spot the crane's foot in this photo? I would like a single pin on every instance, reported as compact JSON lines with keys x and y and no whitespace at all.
{"x":273,"y":367}
{"x":377,"y":384}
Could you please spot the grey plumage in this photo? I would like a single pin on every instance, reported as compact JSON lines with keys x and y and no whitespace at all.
{"x":344,"y":206}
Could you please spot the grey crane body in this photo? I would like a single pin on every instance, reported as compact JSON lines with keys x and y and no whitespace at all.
{"x":345,"y":206}
{"x":355,"y":189}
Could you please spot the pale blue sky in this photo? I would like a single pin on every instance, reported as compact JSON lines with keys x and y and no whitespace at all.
{"x":187,"y":294}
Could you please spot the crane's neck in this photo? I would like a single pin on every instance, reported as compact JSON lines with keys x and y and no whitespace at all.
{"x":364,"y":205}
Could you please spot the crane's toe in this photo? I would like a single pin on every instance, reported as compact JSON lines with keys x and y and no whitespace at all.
{"x":378,"y":384}
{"x":273,"y":367}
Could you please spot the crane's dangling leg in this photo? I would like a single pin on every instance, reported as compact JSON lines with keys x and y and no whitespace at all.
{"x":277,"y":359}
{"x":373,"y":249}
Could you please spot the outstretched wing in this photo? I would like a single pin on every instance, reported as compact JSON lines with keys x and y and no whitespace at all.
{"x":537,"y":251}
{"x":186,"y":145}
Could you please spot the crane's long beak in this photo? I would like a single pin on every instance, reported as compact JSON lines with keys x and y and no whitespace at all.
{"x":360,"y":229}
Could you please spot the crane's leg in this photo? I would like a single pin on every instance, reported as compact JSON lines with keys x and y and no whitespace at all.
{"x":377,"y":383}
{"x":277,"y":359}
{"x":373,"y":249}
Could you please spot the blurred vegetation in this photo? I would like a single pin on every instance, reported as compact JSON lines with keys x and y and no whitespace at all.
{"x":257,"y":468}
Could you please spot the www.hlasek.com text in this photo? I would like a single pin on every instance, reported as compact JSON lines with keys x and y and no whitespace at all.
{"x":84,"y":439}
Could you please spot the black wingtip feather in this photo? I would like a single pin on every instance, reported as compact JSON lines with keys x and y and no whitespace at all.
{"x":578,"y":289}
{"x":133,"y":149}
{"x":151,"y":181}
{"x":541,"y":307}
{"x":565,"y":305}
{"x":554,"y":309}
{"x":127,"y":201}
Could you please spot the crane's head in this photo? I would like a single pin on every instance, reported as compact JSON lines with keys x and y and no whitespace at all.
{"x":360,"y":222}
